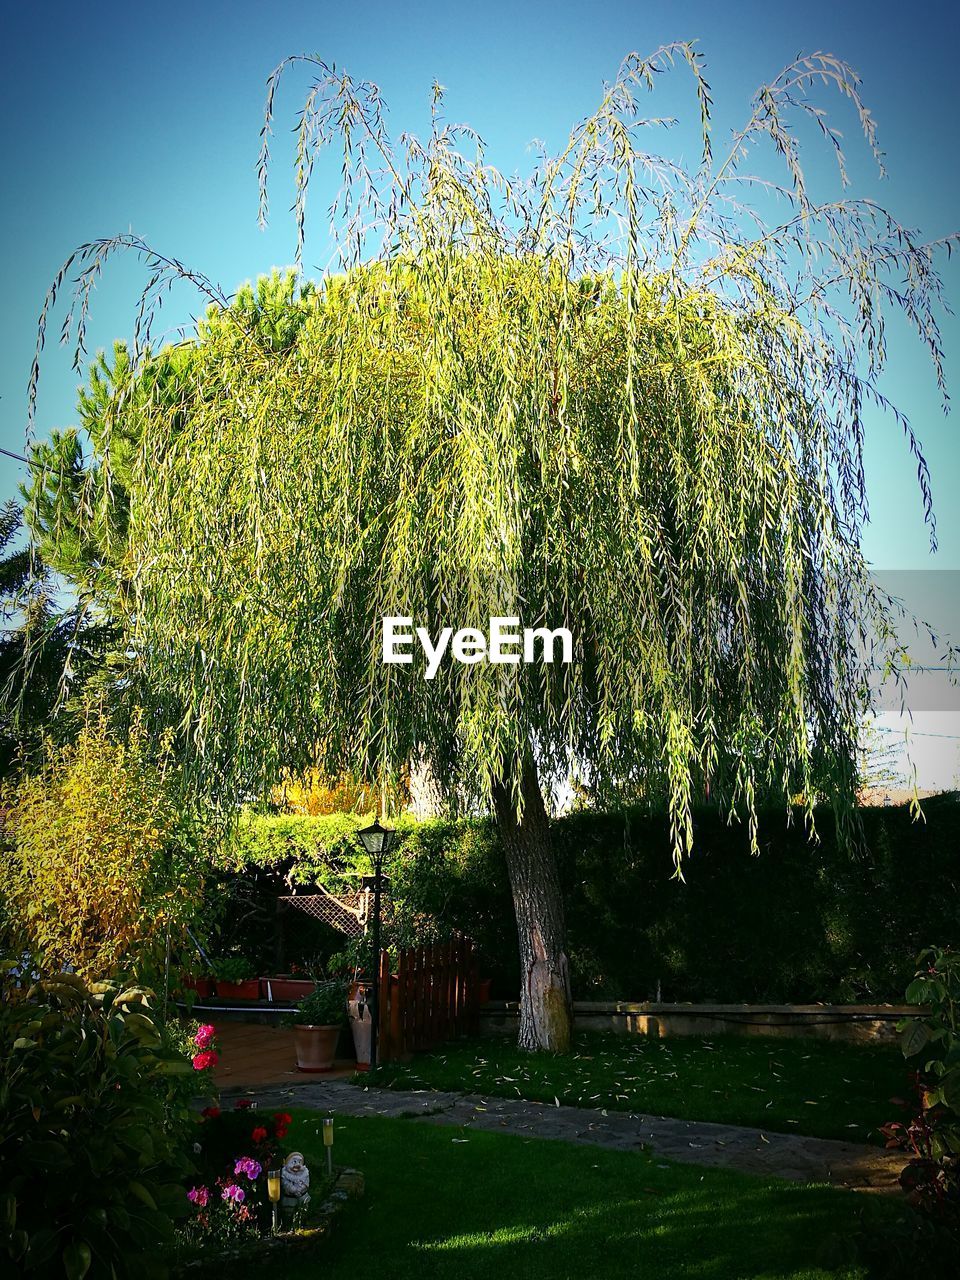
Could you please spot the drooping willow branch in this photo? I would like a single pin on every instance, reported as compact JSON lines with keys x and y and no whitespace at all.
{"x":609,"y":394}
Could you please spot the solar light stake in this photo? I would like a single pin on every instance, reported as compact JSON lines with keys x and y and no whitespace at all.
{"x":328,"y":1142}
{"x":273,"y":1191}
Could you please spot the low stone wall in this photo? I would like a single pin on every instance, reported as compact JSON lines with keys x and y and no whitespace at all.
{"x":856,"y":1022}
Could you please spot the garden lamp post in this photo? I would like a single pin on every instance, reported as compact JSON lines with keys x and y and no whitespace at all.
{"x":377,"y":841}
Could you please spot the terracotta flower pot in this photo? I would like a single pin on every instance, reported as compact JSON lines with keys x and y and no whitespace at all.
{"x":316,"y":1047}
{"x":288,"y":989}
{"x":247,"y":990}
{"x":202,"y":986}
{"x":483,"y":990}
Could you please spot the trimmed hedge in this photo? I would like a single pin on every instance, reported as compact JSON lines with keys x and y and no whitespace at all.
{"x":799,"y":922}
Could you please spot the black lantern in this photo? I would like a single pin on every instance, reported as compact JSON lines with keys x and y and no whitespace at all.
{"x":377,"y":842}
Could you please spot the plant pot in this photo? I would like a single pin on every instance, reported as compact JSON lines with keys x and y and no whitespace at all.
{"x":202,"y":986}
{"x":483,"y":990}
{"x":361,"y":1025}
{"x":247,"y":990}
{"x":288,"y":989}
{"x":316,"y":1047}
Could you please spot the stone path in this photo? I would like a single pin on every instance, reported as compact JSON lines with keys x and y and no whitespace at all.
{"x":719,"y":1146}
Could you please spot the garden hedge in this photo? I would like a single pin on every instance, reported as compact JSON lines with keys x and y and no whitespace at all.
{"x":800,"y":922}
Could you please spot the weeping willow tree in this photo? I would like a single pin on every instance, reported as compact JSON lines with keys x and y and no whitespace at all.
{"x":620,"y":396}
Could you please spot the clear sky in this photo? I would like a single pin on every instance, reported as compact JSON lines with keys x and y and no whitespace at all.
{"x":119,"y":117}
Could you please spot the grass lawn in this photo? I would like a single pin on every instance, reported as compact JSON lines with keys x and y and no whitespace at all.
{"x":446,"y":1202}
{"x":821,"y":1088}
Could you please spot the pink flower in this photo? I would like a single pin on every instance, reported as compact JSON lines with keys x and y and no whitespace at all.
{"x":249,"y":1166}
{"x":198,"y":1196}
{"x":205,"y":1036}
{"x":204,"y":1060}
{"x":233,"y":1192}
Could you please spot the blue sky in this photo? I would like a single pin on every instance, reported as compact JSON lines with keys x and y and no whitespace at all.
{"x":119,"y":117}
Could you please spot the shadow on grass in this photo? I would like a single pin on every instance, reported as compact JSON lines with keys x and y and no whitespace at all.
{"x":468,"y":1205}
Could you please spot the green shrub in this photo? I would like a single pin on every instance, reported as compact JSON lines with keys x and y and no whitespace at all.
{"x":232,"y":969}
{"x":325,"y":1006}
{"x":322,"y":849}
{"x":92,"y":1138}
{"x":101,"y":862}
{"x":931,"y":1041}
{"x":800,"y":922}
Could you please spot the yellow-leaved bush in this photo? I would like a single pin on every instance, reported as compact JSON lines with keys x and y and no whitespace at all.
{"x":100,"y":862}
{"x":317,"y":794}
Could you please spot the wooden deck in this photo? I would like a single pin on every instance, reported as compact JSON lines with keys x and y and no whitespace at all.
{"x":253,"y":1055}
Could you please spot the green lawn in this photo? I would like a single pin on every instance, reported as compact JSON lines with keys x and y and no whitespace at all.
{"x":816,"y":1087}
{"x":453,"y":1203}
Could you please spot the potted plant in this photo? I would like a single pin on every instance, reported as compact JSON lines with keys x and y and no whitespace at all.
{"x":234,"y":978}
{"x":317,"y":1023}
{"x":354,"y":963}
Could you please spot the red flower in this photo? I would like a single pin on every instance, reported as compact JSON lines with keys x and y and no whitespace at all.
{"x":204,"y":1060}
{"x":210,"y":1113}
{"x":282,"y":1117}
{"x":281,"y":1132}
{"x":259,"y":1134}
{"x":243,"y":1103}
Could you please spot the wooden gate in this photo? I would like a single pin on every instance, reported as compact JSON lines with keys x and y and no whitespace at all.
{"x":430,"y":998}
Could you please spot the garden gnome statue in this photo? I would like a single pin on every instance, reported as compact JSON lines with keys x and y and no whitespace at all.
{"x":295,"y":1182}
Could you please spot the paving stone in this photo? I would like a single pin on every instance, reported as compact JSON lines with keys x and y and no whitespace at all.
{"x":719,"y":1146}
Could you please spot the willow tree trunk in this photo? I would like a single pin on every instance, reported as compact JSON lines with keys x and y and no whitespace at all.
{"x":546,"y":1017}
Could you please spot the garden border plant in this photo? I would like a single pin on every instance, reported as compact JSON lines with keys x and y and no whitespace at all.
{"x":101,"y":855}
{"x":931,"y":1040}
{"x":94,"y":1129}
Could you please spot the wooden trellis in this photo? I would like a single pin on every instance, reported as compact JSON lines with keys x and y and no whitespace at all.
{"x":345,"y":913}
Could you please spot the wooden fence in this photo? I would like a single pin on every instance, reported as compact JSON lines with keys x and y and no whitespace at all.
{"x":430,"y":998}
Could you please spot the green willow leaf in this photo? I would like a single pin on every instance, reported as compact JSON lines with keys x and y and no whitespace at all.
{"x":614,"y":396}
